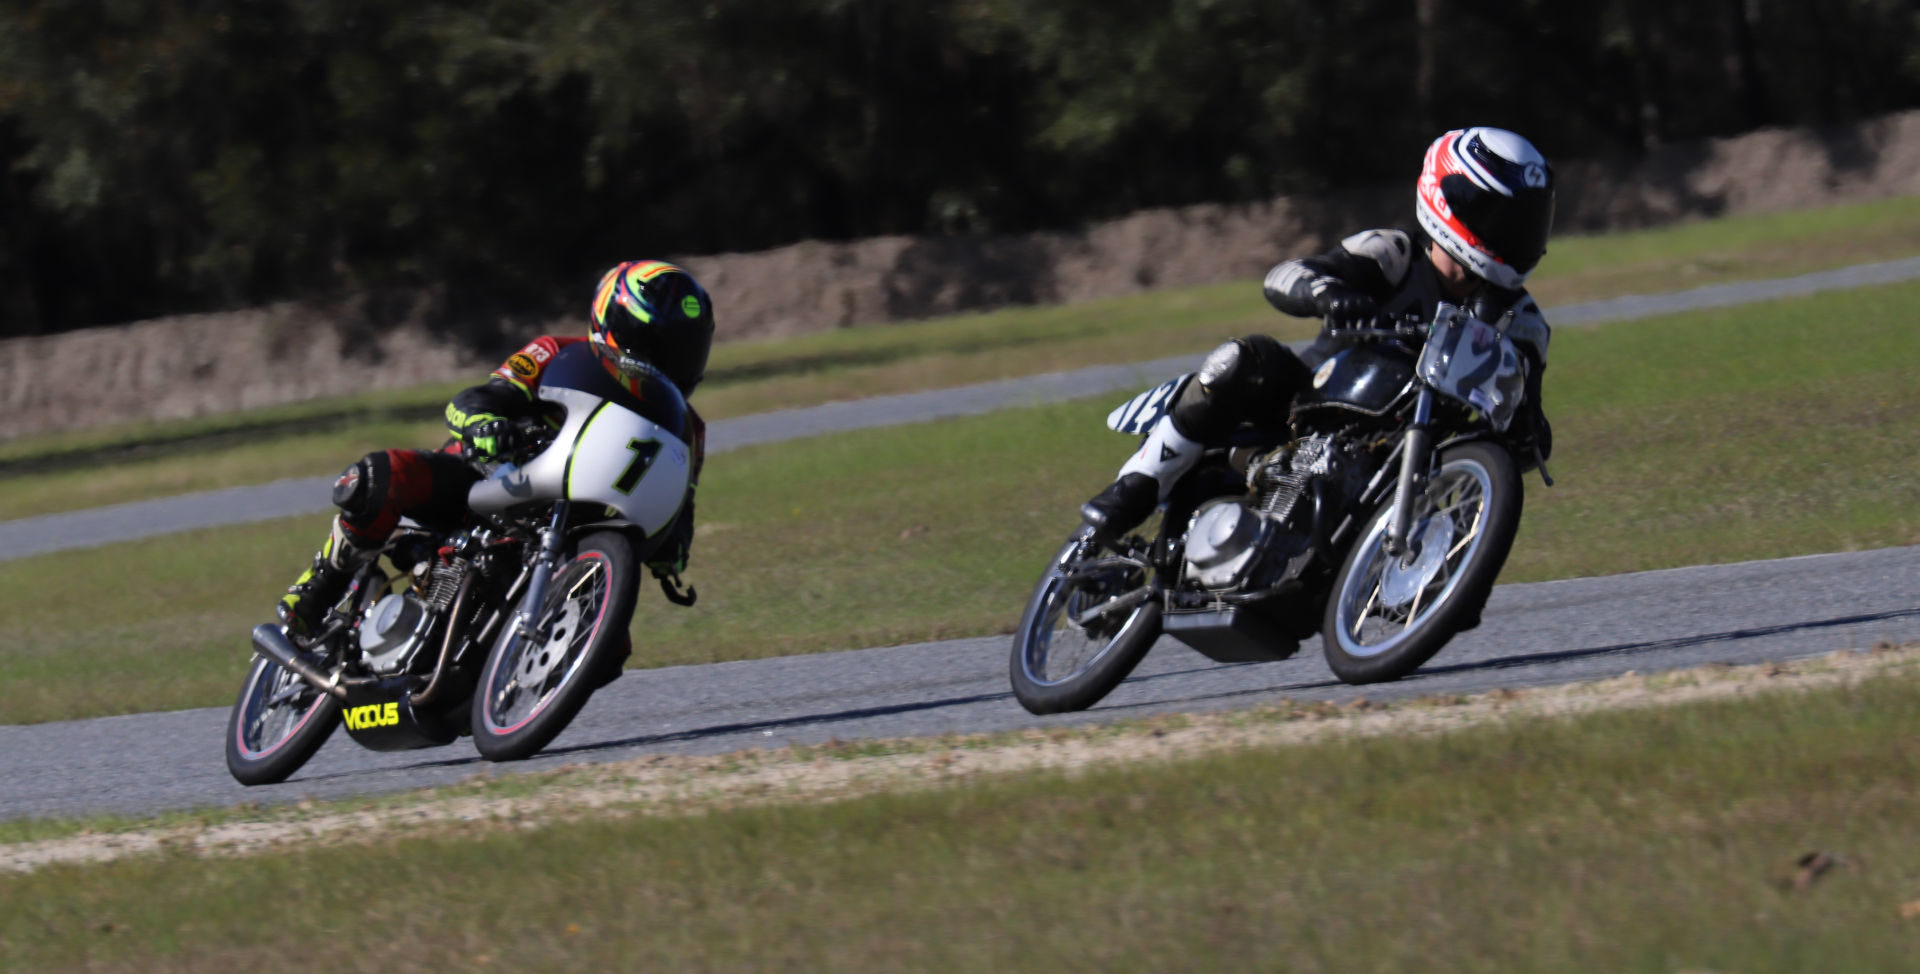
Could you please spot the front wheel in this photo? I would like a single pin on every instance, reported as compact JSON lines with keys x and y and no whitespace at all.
{"x":1090,"y":622}
{"x":532,"y":686}
{"x":1388,"y":615}
{"x":276,"y":725}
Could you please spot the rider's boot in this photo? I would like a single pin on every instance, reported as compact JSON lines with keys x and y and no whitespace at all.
{"x":1144,"y":481}
{"x":322,"y":585}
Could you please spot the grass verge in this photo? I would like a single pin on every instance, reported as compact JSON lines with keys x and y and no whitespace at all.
{"x":1514,"y":843}
{"x":675,"y":785}
{"x":72,"y":471}
{"x":1758,"y":432}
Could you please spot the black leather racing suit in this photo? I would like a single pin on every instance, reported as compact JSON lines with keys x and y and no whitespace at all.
{"x":1255,"y":378}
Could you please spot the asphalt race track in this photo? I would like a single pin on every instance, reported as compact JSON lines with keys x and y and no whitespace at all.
{"x":1535,"y":634}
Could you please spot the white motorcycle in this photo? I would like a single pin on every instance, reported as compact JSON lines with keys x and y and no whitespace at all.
{"x":503,"y":629}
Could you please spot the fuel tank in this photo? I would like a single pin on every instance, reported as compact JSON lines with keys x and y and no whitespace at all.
{"x":1368,"y":379}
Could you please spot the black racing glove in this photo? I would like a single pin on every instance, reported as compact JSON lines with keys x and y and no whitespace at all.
{"x":1344,"y":307}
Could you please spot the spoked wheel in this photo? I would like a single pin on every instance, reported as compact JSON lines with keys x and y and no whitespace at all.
{"x":532,"y":687}
{"x":1090,"y":621}
{"x":1389,"y":614}
{"x":276,"y":725}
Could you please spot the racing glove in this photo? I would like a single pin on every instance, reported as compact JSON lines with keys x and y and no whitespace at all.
{"x":485,"y":436}
{"x":1343,"y":307}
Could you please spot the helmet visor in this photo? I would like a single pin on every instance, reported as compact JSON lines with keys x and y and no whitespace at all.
{"x":1514,"y":227}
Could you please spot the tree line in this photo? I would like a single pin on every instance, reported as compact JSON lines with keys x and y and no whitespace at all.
{"x":167,"y":156}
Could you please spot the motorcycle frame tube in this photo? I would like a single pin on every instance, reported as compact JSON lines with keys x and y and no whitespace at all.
{"x":1413,"y":464}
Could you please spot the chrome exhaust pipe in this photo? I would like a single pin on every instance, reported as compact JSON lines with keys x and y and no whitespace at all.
{"x":271,"y":642}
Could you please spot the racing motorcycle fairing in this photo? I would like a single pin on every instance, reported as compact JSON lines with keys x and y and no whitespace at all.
{"x":620,"y":451}
{"x":1472,"y":361}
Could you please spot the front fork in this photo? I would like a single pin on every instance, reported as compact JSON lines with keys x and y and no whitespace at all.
{"x":1414,"y":460}
{"x":541,"y":573}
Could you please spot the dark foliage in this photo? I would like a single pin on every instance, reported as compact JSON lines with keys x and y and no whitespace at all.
{"x":193,"y":154}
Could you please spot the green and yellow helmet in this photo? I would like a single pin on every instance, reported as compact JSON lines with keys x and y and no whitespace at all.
{"x":651,"y":316}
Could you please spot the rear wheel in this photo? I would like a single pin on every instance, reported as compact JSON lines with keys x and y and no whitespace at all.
{"x":276,"y":725}
{"x":1090,"y":622}
{"x":1388,"y":615}
{"x":533,"y":686}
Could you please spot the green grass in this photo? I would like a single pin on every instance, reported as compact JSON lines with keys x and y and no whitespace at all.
{"x":1758,"y":432}
{"x":1705,"y":252}
{"x":1645,"y":841}
{"x":70,"y":471}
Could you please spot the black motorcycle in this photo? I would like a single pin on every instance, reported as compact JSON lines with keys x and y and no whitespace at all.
{"x":1379,"y":519}
{"x":502,"y":629}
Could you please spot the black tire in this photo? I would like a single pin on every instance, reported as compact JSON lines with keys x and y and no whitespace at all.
{"x":1440,"y":595}
{"x":1118,"y":646}
{"x":265,"y":744}
{"x":510,"y":725}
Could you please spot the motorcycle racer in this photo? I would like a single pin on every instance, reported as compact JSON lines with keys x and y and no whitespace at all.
{"x":651,"y":323}
{"x":1484,"y":201}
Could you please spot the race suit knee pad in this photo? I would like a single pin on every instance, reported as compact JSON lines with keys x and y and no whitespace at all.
{"x":1245,"y":378}
{"x":361,"y":491}
{"x":1207,"y":408}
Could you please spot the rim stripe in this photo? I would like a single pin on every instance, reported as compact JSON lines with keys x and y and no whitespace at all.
{"x":240,"y":731}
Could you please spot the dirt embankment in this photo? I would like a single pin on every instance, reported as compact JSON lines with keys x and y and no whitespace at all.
{"x":203,"y":364}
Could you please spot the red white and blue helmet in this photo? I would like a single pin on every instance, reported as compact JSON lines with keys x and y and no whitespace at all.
{"x":1486,"y":197}
{"x":650,"y":316}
